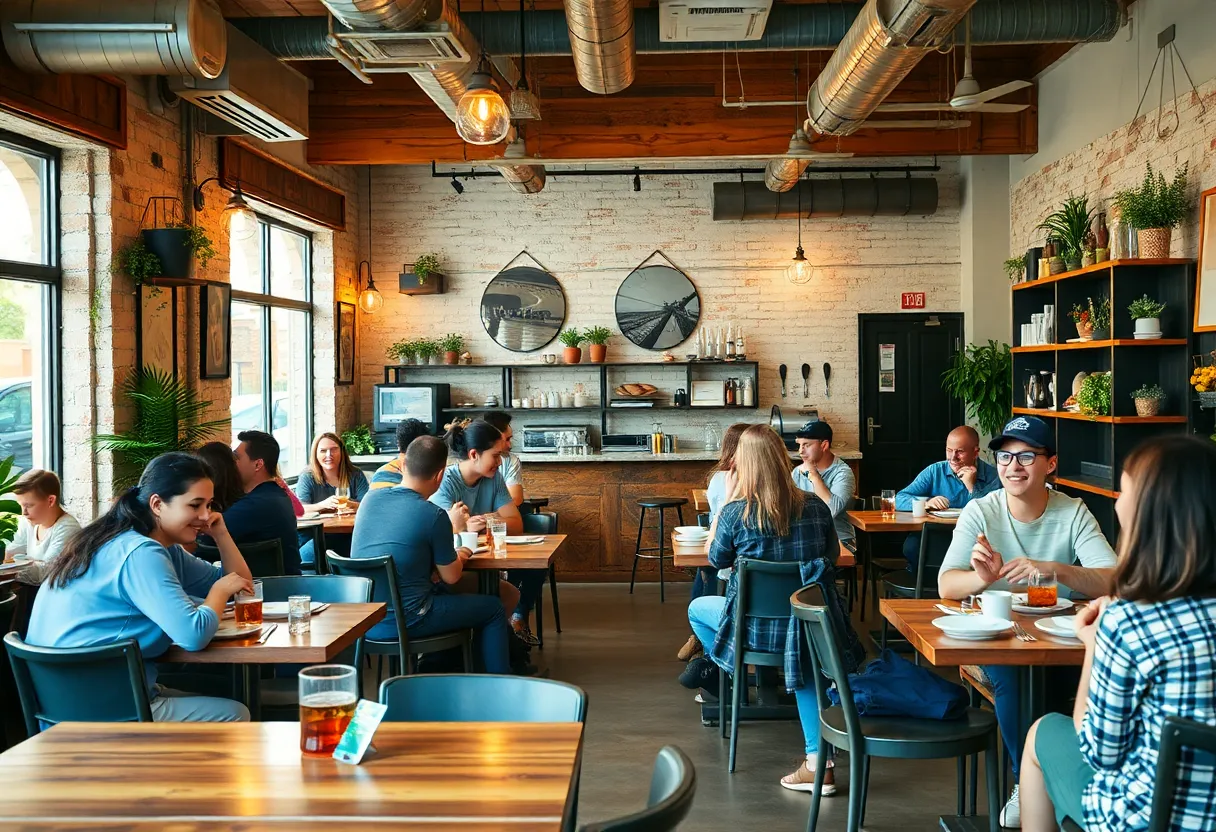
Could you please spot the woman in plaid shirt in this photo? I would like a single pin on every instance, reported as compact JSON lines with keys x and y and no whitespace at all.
{"x":1150,"y":652}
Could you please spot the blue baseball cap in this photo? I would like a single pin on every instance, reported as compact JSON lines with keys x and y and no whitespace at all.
{"x":815,"y":429}
{"x":1029,"y":429}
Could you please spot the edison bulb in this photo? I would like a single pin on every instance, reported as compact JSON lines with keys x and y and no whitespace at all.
{"x":800,"y":269}
{"x":482,"y":116}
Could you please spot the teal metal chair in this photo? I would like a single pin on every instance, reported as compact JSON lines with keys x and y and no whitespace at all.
{"x":864,"y":737}
{"x":263,"y":557}
{"x":545,"y":522}
{"x":903,"y":584}
{"x":79,"y":684}
{"x":481,"y":697}
{"x":672,"y":787}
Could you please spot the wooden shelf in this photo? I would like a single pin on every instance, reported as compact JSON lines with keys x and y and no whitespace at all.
{"x":175,"y":282}
{"x":1103,"y":266}
{"x":1114,"y":342}
{"x":1091,"y":484}
{"x":582,"y":365}
{"x":1047,"y":413}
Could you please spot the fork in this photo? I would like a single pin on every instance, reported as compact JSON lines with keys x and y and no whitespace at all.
{"x":1021,"y":633}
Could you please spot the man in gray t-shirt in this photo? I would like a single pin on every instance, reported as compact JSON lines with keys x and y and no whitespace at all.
{"x":825,"y":475}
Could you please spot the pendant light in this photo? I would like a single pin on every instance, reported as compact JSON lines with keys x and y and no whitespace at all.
{"x":370,"y":299}
{"x":524,"y":103}
{"x":482,"y":117}
{"x":799,"y":270}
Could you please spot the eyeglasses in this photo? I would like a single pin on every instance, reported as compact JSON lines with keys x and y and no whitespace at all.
{"x":1024,"y":458}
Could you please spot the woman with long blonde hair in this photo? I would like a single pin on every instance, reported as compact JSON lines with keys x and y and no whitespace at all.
{"x":329,"y":468}
{"x":766,"y":517}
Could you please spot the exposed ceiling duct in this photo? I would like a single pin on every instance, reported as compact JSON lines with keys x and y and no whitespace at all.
{"x":397,"y":15}
{"x":601,"y":41}
{"x":832,"y":197}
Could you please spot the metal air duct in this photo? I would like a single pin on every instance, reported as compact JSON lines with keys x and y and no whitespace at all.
{"x":888,"y":39}
{"x":396,"y":15}
{"x":835,"y":197}
{"x":601,"y":41}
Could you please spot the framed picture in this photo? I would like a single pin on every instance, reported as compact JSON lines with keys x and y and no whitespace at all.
{"x":1205,"y":286}
{"x":657,"y":306}
{"x":344,"y":355}
{"x":523,"y":308}
{"x":156,"y":329}
{"x":215,"y":328}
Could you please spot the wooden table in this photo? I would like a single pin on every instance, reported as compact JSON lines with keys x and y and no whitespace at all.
{"x":519,"y":556}
{"x":873,"y":522}
{"x":694,"y":556}
{"x":331,"y":523}
{"x":466,"y":776}
{"x":700,"y":499}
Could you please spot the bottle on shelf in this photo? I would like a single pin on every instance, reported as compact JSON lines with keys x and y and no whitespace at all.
{"x":749,"y":392}
{"x":656,"y":439}
{"x":730,"y":342}
{"x":740,"y":349}
{"x":730,"y":392}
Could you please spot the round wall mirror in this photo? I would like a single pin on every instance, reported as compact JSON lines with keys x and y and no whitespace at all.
{"x":523,"y":308}
{"x":657,"y":307}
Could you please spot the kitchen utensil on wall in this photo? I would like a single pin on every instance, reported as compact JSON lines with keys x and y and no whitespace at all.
{"x":782,"y":370}
{"x":806,"y":380}
{"x":827,"y":378}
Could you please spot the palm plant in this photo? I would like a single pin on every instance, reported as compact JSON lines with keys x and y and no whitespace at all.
{"x":982,"y":376}
{"x":168,"y":417}
{"x":1069,"y":225}
{"x":10,"y":510}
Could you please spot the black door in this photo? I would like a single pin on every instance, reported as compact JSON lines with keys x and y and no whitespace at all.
{"x":904,"y":412}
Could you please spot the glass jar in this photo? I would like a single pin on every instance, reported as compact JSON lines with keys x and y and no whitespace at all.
{"x":711,"y":436}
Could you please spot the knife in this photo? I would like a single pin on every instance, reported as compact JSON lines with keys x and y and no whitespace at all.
{"x":806,"y":378}
{"x":827,"y":377}
{"x":266,"y":633}
{"x":782,"y":372}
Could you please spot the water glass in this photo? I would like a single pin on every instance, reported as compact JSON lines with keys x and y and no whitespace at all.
{"x":888,"y":504}
{"x":328,"y":695}
{"x":248,"y":611}
{"x":299,"y":614}
{"x":498,"y":537}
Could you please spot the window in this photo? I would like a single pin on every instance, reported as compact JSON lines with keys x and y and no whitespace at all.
{"x":272,"y":339}
{"x":29,"y":303}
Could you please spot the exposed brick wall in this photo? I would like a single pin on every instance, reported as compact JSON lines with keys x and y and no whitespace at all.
{"x":591,"y":231}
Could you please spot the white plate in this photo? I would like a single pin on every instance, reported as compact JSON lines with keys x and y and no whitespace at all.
{"x":278,"y":609}
{"x":310,"y":515}
{"x":972,"y":627}
{"x":1020,"y":605}
{"x":518,"y":539}
{"x":1146,"y":336}
{"x":1062,"y":626}
{"x":15,"y":563}
{"x":228,"y":629}
{"x":947,"y":512}
{"x":691,"y":532}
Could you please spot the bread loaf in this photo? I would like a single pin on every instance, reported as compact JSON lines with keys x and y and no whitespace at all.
{"x":636,"y":389}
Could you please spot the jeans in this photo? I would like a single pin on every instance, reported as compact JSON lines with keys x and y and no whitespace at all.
{"x":705,"y":615}
{"x":1060,"y":684}
{"x":482,"y":613}
{"x":169,"y":705}
{"x":530,"y":583}
{"x":705,"y":582}
{"x":938,"y":545}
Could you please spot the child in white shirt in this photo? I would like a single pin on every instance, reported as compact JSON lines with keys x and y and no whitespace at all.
{"x":43,"y":527}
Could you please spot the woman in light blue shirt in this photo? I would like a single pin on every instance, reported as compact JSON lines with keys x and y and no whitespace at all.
{"x":126,"y":575}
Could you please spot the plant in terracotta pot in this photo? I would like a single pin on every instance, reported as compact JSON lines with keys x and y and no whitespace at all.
{"x":1081,"y":317}
{"x":427,"y":350}
{"x":1148,"y":398}
{"x":572,"y":338}
{"x":1154,"y":209}
{"x":452,"y":345}
{"x":1094,"y":397}
{"x":1069,"y":225}
{"x":1146,"y":312}
{"x":1099,"y":316}
{"x":597,"y":337}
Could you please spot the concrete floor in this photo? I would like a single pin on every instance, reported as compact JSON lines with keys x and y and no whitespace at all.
{"x":621,"y":649}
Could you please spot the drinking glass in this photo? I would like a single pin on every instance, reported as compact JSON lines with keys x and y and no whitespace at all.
{"x":299,"y":614}
{"x":328,"y":695}
{"x":498,"y":536}
{"x":248,"y":610}
{"x":342,"y":492}
{"x":1043,"y":590}
{"x":888,"y":504}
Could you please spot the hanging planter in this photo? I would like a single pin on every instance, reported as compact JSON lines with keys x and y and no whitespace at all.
{"x":175,"y":244}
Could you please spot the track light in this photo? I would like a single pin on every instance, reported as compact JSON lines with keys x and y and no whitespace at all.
{"x":456,"y":186}
{"x":637,"y":182}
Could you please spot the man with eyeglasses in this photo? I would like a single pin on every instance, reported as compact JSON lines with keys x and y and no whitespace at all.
{"x":1006,"y":537}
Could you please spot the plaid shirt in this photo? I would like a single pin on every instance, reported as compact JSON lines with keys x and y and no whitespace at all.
{"x":1150,"y":661}
{"x":812,"y":543}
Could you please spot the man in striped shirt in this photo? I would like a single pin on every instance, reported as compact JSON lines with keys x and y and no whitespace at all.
{"x":389,"y":474}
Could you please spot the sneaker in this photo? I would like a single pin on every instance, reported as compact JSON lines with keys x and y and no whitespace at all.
{"x":1011,"y":815}
{"x":690,"y":649}
{"x":526,"y":636}
{"x":700,"y":673}
{"x":803,"y":780}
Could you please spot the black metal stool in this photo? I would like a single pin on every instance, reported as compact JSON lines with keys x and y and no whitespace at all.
{"x":661,"y":504}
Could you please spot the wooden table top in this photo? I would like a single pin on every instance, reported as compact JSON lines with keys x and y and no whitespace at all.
{"x":913,"y":618}
{"x":343,"y":523}
{"x":700,"y":499}
{"x":873,"y":521}
{"x":520,"y":555}
{"x":332,"y":631}
{"x":693,"y":555}
{"x":251,"y":775}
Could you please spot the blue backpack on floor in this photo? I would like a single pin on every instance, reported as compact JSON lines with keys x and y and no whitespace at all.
{"x":892,"y":686}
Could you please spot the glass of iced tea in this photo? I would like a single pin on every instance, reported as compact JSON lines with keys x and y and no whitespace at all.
{"x":342,"y":492}
{"x":1043,"y":590}
{"x":248,"y":611}
{"x":888,"y":504}
{"x":328,"y":695}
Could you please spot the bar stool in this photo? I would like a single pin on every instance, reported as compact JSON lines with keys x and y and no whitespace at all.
{"x":661,"y":504}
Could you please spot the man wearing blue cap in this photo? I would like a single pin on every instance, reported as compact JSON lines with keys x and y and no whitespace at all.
{"x":825,"y":475}
{"x":1004,"y":538}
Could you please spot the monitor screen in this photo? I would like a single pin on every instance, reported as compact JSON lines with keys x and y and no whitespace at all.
{"x":396,"y":404}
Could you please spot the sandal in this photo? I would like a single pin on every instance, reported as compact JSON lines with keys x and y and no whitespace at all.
{"x":803,"y":780}
{"x":690,"y":649}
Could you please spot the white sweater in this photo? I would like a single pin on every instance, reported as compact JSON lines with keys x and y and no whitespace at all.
{"x":41,"y":552}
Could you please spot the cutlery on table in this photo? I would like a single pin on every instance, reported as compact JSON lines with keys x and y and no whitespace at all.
{"x":827,"y":377}
{"x":954,"y":610}
{"x":781,"y":371}
{"x":1021,"y":633}
{"x":806,"y":379}
{"x":266,"y":633}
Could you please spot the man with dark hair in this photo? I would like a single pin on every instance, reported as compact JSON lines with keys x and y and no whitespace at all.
{"x":389,"y":474}
{"x":399,"y":521}
{"x":265,"y":512}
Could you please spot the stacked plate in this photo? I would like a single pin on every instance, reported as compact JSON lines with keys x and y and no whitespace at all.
{"x":691,"y":534}
{"x":973,"y":627}
{"x":1020,"y":605}
{"x":1061,"y":626}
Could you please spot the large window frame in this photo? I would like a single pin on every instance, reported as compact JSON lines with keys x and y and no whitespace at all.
{"x":268,"y":303}
{"x":51,"y":275}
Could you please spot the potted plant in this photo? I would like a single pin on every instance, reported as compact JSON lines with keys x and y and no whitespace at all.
{"x":982,"y":376}
{"x":1148,"y":399}
{"x":1094,"y":397}
{"x":1203,"y":379}
{"x":1015,"y":269}
{"x":422,"y":277}
{"x":178,"y":246}
{"x":137,"y":262}
{"x":1153,"y":209}
{"x":452,"y":345}
{"x":1146,"y":312}
{"x":425,"y":266}
{"x":571,"y":338}
{"x":1069,"y":225}
{"x":1099,"y":315}
{"x":597,"y":337}
{"x":426,"y":350}
{"x":1081,"y":317}
{"x":1088,"y":257}
{"x":403,"y":352}
{"x":10,"y":510}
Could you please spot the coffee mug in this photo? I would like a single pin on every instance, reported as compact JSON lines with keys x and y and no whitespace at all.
{"x":468,"y":540}
{"x":549,"y":358}
{"x":996,"y":603}
{"x":920,"y":506}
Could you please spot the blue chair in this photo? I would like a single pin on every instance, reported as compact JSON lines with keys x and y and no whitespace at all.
{"x":672,"y":787}
{"x":79,"y":684}
{"x":545,"y":522}
{"x":263,"y":557}
{"x":481,"y":697}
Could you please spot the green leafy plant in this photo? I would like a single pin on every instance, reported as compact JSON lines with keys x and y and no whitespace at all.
{"x":1145,"y":307}
{"x":425,"y":348}
{"x":571,"y":337}
{"x":1099,"y":313}
{"x":168,"y":417}
{"x":982,"y":376}
{"x":1155,"y":204}
{"x":425,"y":266}
{"x":10,"y":510}
{"x":198,"y":242}
{"x":1080,"y":314}
{"x":358,"y":440}
{"x":403,"y":351}
{"x":1069,"y":225}
{"x":1094,"y":397}
{"x":1148,"y":391}
{"x":137,"y":262}
{"x":451,"y":343}
{"x":1015,"y":268}
{"x":596,"y":335}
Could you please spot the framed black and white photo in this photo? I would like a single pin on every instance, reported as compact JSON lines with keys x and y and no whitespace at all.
{"x":344,"y":353}
{"x":215,"y":328}
{"x":657,"y":307}
{"x":523,"y":307}
{"x":156,"y":328}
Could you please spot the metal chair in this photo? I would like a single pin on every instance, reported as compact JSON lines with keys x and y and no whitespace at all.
{"x":545,"y":522}
{"x":864,"y":737}
{"x":672,"y":787}
{"x":481,"y":697}
{"x":79,"y":684}
{"x":764,"y":590}
{"x":902,"y":584}
{"x":383,"y":575}
{"x":660,"y":504}
{"x":264,"y":557}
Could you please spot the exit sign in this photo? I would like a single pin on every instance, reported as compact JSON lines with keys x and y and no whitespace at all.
{"x":912,"y":300}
